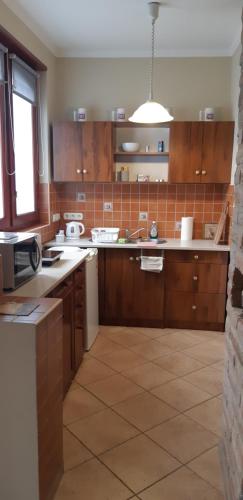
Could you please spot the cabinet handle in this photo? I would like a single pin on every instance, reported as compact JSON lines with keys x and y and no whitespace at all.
{"x":197,"y":172}
{"x":194,"y":307}
{"x":78,"y":171}
{"x":195,"y":278}
{"x":196,"y":257}
{"x":85,"y":171}
{"x":204,"y":172}
{"x":131,"y":258}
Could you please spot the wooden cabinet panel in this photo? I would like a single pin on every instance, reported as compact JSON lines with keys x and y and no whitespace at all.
{"x":201,"y":152}
{"x":217,"y":150}
{"x":195,"y":310}
{"x":201,"y":277}
{"x":83,"y":152}
{"x":196,"y":256}
{"x":185,"y":152}
{"x":128,"y":295}
{"x":67,"y":152}
{"x":79,"y":316}
{"x":68,"y":325}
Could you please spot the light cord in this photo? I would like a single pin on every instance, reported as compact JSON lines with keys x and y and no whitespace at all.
{"x":151,"y":93}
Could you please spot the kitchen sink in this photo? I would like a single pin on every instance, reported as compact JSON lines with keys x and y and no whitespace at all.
{"x":136,"y":241}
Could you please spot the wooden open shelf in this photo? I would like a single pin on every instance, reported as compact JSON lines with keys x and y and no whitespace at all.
{"x":141,"y":125}
{"x":141,"y":153}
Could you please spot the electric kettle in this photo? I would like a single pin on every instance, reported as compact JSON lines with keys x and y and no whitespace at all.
{"x":74,"y":230}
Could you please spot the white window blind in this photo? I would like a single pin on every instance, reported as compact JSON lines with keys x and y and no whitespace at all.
{"x":3,"y":50}
{"x":24,"y":80}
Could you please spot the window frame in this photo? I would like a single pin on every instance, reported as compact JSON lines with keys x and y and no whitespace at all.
{"x":11,"y":220}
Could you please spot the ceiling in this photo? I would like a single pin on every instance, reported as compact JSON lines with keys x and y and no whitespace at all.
{"x":121,"y":28}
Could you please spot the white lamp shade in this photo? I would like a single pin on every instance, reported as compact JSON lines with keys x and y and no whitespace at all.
{"x":151,"y":112}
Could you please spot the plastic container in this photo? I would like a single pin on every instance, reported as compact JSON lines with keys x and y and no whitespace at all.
{"x":153,"y":230}
{"x":105,"y":234}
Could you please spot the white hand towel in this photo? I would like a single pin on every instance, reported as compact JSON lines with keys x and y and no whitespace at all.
{"x":152,"y":264}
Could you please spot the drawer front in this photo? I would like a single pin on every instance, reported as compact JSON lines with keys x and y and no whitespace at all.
{"x":196,"y":256}
{"x":193,"y":308}
{"x":196,"y":277}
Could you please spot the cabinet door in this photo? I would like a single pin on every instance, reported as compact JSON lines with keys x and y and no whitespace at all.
{"x":179,"y":276}
{"x":97,"y":151}
{"x":185,"y":152}
{"x":79,"y":316}
{"x":129,"y":296}
{"x":210,"y":308}
{"x":210,"y":278}
{"x":217,"y":152}
{"x":67,"y":152}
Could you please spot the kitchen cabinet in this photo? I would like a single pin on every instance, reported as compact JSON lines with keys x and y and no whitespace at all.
{"x":128,"y":295}
{"x":83,"y":152}
{"x":200,"y":152}
{"x":72,"y":292}
{"x":195,"y":289}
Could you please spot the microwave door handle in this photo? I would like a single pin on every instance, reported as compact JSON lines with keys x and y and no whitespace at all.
{"x":33,"y":265}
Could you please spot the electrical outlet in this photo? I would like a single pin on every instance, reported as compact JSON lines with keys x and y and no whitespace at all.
{"x":73,"y":216}
{"x":143,"y":215}
{"x":107,"y":206}
{"x":81,"y":197}
{"x":55,"y":217}
{"x":178,"y":225}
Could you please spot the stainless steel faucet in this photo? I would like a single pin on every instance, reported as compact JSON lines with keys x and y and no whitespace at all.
{"x":130,"y":235}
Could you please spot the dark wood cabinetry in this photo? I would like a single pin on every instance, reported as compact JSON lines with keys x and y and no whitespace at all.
{"x":83,"y":152}
{"x":128,"y":295}
{"x":200,"y":152}
{"x":195,"y":289}
{"x":72,"y":292}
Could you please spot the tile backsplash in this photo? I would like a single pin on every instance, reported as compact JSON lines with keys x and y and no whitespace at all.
{"x":163,"y":202}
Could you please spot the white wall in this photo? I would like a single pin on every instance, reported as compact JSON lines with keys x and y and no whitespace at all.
{"x":185,"y":84}
{"x":235,"y":91}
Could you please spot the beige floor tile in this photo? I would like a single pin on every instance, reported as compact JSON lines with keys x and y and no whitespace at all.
{"x":74,"y":453}
{"x":114,"y":389}
{"x":183,"y":438}
{"x":178,"y":363}
{"x":151,"y":350}
{"x":139,"y":462}
{"x":121,"y":359}
{"x":145,"y":411}
{"x":107,"y":330}
{"x":148,"y":375}
{"x":74,"y":386}
{"x":208,"y":467}
{"x":91,"y":481}
{"x":129,"y":337}
{"x":179,"y":340}
{"x":207,"y":352}
{"x":79,"y":404}
{"x":207,"y":379}
{"x":92,"y":370}
{"x":182,"y":484}
{"x":102,"y":345}
{"x":208,"y":414}
{"x":103,"y":431}
{"x":153,"y":333}
{"x":220,"y":365}
{"x":180,"y":394}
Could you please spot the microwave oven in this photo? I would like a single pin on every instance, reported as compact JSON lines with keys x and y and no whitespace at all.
{"x":21,"y":258}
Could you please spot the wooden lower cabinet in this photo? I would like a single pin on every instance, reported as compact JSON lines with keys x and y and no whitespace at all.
{"x":195,"y":289}
{"x":72,"y":293}
{"x":128,"y":295}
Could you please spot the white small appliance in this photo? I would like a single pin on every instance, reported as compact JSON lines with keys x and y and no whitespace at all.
{"x":74,"y":230}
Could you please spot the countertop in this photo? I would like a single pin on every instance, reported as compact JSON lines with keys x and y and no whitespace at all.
{"x":49,"y":277}
{"x":171,"y":244}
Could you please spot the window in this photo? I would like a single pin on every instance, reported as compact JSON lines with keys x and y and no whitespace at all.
{"x":18,"y":142}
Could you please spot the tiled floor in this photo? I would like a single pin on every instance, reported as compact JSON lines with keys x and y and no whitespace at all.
{"x":142,"y":418}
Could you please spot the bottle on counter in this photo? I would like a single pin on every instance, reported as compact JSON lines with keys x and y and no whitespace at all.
{"x":160,"y":146}
{"x":60,"y":237}
{"x":153,"y":230}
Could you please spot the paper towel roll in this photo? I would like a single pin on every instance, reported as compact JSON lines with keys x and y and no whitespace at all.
{"x":186,"y":228}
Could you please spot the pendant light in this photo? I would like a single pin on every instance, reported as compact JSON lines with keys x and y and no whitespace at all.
{"x":151,"y":111}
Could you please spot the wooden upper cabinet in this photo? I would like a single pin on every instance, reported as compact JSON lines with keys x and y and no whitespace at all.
{"x":217,"y":150}
{"x":185,"y":152}
{"x":201,"y":152}
{"x":83,"y":152}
